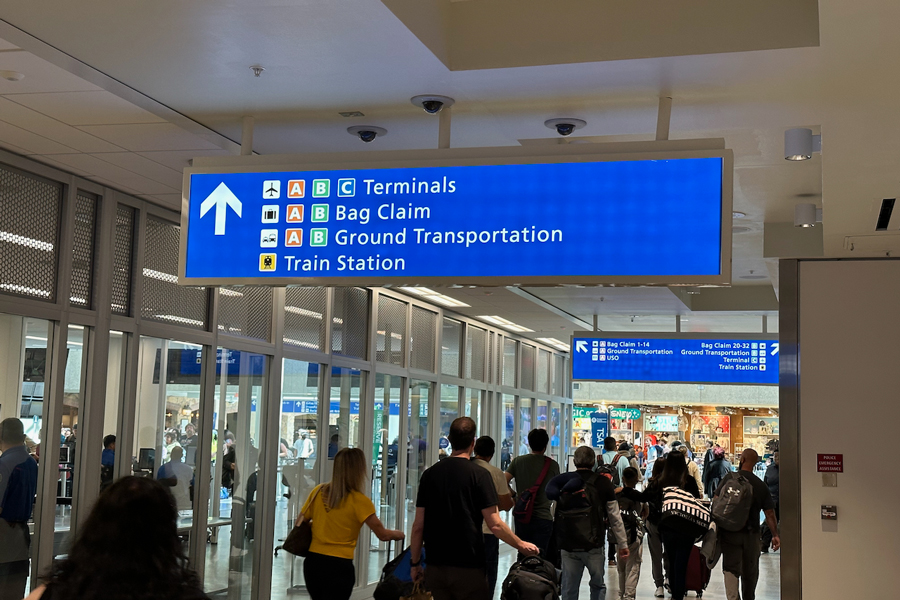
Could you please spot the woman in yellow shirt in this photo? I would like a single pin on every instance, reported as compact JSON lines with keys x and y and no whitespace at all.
{"x":337,"y":511}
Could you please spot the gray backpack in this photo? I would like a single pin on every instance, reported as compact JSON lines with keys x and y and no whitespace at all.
{"x":731,"y":509}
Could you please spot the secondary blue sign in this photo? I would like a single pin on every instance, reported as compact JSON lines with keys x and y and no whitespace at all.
{"x":668,"y":360}
{"x":599,"y":428}
{"x":513,"y":223}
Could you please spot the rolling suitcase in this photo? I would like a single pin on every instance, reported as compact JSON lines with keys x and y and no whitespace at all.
{"x":698,"y":573}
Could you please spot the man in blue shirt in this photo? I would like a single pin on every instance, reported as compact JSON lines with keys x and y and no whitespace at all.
{"x":18,"y":485}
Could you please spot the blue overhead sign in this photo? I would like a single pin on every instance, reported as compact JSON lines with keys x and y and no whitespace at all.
{"x":653,"y":221}
{"x":676,"y":360}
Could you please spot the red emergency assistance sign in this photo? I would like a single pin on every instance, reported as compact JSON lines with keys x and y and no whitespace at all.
{"x":830,"y":463}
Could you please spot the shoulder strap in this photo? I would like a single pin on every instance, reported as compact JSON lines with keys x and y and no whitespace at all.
{"x":315,"y":495}
{"x":544,"y":471}
{"x":616,"y":459}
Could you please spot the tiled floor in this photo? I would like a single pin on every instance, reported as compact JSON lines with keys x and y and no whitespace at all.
{"x":219,"y":578}
{"x":769,"y":587}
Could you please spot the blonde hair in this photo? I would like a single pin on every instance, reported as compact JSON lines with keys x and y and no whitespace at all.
{"x":349,"y":476}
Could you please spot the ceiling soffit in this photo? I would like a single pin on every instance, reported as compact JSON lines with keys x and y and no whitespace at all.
{"x":491,"y":34}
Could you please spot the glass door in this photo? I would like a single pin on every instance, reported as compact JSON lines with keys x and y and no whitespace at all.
{"x":384,"y":474}
{"x":239,"y":399}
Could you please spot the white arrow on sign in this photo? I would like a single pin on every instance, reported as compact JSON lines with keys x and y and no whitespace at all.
{"x":581,"y":346}
{"x":774,"y":348}
{"x":221,"y":198}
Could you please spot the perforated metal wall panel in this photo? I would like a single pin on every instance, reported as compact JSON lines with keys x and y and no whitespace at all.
{"x":162,"y":298}
{"x":509,"y":361}
{"x":304,"y":318}
{"x":29,"y":234}
{"x":543,"y":371}
{"x":86,"y":209}
{"x":246,"y":311}
{"x":123,"y":260}
{"x":349,"y":334}
{"x":528,"y":367}
{"x":450,"y":344}
{"x":475,"y":340}
{"x":391,"y":331}
{"x":421,"y":339}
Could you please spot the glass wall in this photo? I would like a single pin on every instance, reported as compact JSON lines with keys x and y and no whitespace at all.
{"x":343,"y":413}
{"x":525,"y":409}
{"x":474,"y":404}
{"x":182,"y":377}
{"x":418,"y":459}
{"x":240,"y":399}
{"x":449,"y":412}
{"x":385,"y":455}
{"x":298,"y":451}
{"x":508,"y":448}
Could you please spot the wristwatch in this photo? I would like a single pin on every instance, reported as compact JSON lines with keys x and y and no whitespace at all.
{"x":415,"y":564}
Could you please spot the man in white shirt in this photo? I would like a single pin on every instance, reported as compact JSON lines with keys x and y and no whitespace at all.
{"x":179,"y":477}
{"x":304,"y":446}
{"x":484,"y":452}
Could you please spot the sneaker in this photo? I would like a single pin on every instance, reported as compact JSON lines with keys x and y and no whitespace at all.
{"x":660,"y":592}
{"x":612,"y":563}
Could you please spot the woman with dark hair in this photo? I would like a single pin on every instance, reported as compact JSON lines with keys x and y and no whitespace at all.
{"x":677,"y":542}
{"x":128,"y":549}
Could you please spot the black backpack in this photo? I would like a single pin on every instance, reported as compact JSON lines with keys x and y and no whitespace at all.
{"x":610,"y":471}
{"x":630,"y":511}
{"x":532,"y":578}
{"x":579,"y":522}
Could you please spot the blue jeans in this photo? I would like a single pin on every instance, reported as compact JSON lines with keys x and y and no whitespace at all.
{"x":573,"y":564}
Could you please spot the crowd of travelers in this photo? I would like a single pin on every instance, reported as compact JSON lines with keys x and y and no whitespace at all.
{"x":562,"y":521}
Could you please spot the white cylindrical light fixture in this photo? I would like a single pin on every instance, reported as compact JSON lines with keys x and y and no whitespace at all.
{"x":798,"y":144}
{"x":805,"y":215}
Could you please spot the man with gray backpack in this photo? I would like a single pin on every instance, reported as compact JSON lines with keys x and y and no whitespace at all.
{"x":585,"y":505}
{"x":735,"y":509}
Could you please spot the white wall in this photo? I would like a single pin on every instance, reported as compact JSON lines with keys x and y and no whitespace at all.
{"x":849,"y":332}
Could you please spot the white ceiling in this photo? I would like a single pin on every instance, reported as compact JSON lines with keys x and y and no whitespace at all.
{"x":126,"y":93}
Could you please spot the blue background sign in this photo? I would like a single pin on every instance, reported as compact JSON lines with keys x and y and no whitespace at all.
{"x":676,"y":360}
{"x":599,"y":428}
{"x":619,"y":219}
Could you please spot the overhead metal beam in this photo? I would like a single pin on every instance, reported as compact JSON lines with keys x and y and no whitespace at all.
{"x":551,"y":307}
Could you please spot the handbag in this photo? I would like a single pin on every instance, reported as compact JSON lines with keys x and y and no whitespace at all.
{"x":300,"y":538}
{"x":684,"y":513}
{"x":418,"y":593}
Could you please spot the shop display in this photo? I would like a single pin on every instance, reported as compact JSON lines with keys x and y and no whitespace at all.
{"x":581,"y":425}
{"x":761,"y":434}
{"x":711,"y":427}
{"x":621,"y":425}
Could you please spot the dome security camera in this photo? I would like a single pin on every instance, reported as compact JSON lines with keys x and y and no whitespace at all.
{"x":432,"y":106}
{"x":431,"y":103}
{"x":366,"y":133}
{"x":565,"y":127}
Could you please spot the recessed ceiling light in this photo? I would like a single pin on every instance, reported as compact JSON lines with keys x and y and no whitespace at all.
{"x":351,"y":113}
{"x":754,"y":276}
{"x":740,"y":229}
{"x":433,"y":296}
{"x":12,"y":75}
{"x":738,"y":215}
{"x":504,"y":323}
